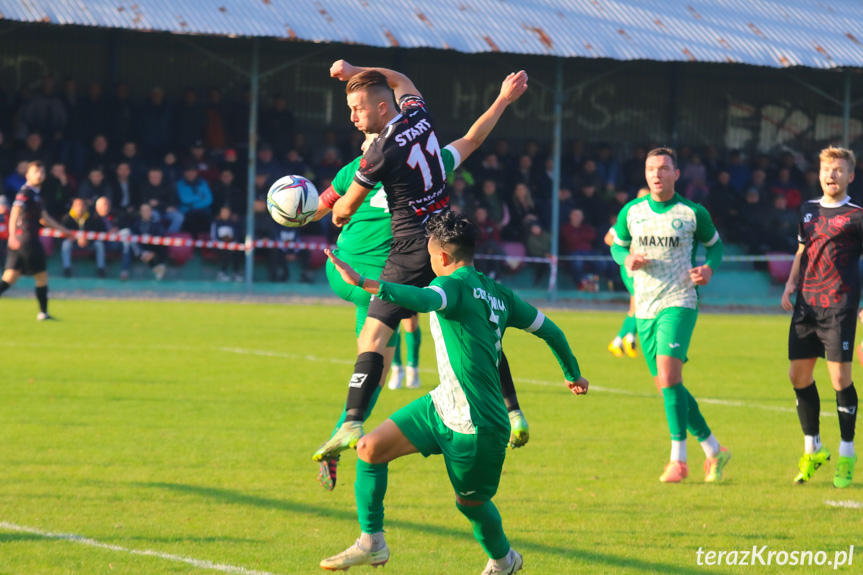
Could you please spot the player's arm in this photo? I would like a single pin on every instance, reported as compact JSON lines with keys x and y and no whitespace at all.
{"x":609,"y":237}
{"x":705,"y":232}
{"x":399,"y":83}
{"x":793,"y":278}
{"x":48,"y":221}
{"x":347,"y":205}
{"x":422,"y":300}
{"x":512,"y":88}
{"x":526,"y":317}
{"x":622,"y":241}
{"x":13,"y":243}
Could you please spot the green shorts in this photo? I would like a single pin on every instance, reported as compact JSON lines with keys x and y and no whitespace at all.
{"x":473,"y":462}
{"x":359,"y":297}
{"x":668,"y":334}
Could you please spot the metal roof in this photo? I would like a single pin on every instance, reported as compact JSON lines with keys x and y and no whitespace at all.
{"x":776,"y":33}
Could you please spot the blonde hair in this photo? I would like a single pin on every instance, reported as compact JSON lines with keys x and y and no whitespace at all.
{"x":834,"y":153}
{"x":371,"y":82}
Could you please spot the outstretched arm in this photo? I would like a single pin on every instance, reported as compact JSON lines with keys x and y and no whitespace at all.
{"x":512,"y":88}
{"x":400,"y":83}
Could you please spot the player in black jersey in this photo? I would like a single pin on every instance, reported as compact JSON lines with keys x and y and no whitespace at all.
{"x":406,"y":159}
{"x":26,"y":254}
{"x":826,"y":276}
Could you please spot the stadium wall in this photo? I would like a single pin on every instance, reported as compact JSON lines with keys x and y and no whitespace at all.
{"x":622,"y":103}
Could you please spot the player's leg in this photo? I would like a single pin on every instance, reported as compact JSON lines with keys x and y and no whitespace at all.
{"x":413,"y":339}
{"x":10,"y":276}
{"x":519,"y":430}
{"x":407,"y":431}
{"x":475,"y":481}
{"x":397,"y":373}
{"x":839,"y":353}
{"x":804,"y":349}
{"x":631,"y":328}
{"x":41,"y":290}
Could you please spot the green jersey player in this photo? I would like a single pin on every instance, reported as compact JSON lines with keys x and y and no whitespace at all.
{"x":365,"y":243}
{"x":464,"y":418}
{"x":655,"y":239}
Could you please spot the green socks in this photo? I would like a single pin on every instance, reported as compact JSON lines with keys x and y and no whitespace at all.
{"x":487,"y":528}
{"x":630,"y":325}
{"x":695,"y":423}
{"x":369,"y":409}
{"x":397,"y":357}
{"x":370,"y":489}
{"x":676,"y":410}
{"x":413,"y":340}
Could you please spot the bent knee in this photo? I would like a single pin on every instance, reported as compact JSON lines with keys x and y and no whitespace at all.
{"x":467,"y":502}
{"x":369,"y":449}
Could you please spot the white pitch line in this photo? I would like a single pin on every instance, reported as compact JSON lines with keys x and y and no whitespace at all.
{"x":845,"y":504}
{"x":201,"y":564}
{"x":725,"y":402}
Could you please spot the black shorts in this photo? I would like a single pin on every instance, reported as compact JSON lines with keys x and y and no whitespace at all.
{"x":29,"y":259}
{"x":822,"y":332}
{"x":409,"y":264}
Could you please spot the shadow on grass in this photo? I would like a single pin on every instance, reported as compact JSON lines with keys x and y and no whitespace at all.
{"x":235,"y":497}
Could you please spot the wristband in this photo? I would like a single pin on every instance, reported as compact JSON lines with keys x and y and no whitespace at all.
{"x":361,"y":282}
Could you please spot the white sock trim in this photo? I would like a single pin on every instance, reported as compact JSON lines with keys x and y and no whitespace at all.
{"x":846,"y":449}
{"x":710,"y":447}
{"x":373,"y":541}
{"x":678,"y":451}
{"x":811,"y":443}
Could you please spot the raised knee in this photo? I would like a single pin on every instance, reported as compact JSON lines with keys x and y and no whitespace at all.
{"x":368,"y":449}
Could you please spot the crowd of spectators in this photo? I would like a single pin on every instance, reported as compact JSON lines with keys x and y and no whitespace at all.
{"x":152,"y":165}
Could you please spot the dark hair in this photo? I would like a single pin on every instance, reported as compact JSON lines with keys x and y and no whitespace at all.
{"x":455,"y":233}
{"x":665,"y":151}
{"x":373,"y":82}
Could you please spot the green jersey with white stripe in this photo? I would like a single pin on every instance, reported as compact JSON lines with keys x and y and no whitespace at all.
{"x":367,"y":237}
{"x":668,"y":233}
{"x":471,"y":313}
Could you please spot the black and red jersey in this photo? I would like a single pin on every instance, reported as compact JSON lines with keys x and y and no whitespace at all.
{"x":406,"y":159}
{"x":832,"y":236}
{"x":27,"y":226}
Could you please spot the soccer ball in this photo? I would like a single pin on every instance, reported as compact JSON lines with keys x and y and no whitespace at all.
{"x":292,"y":201}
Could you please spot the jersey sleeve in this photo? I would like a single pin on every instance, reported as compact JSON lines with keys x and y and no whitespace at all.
{"x":705,"y":231}
{"x":411,"y":102}
{"x":450,"y":291}
{"x":22,"y":197}
{"x":801,"y":229}
{"x":451,"y":159}
{"x":622,"y":237}
{"x":422,"y":300}
{"x":373,"y":165}
{"x":345,"y":176}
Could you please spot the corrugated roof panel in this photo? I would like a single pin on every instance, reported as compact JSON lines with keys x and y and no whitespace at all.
{"x":822,"y":34}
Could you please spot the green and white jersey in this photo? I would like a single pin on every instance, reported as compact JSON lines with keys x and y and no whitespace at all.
{"x":367,"y":237}
{"x":668,"y":234}
{"x":471,"y":313}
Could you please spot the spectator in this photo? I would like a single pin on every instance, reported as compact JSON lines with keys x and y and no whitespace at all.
{"x":712,"y":164}
{"x":504,"y":156}
{"x":129,"y":154}
{"x":589,"y":176}
{"x":121,"y":127}
{"x":93,"y":115}
{"x":56,"y":192}
{"x":226,"y":228}
{"x":577,"y":238}
{"x":632,"y":171}
{"x":491,"y":169}
{"x":94,"y":186}
{"x":595,"y":209}
{"x":697,"y":191}
{"x":607,"y":168}
{"x":328,"y":167}
{"x":694,"y":170}
{"x":267,"y":163}
{"x":523,"y":213}
{"x":277,"y":126}
{"x":488,"y":242}
{"x":171,"y":168}
{"x":72,"y":147}
{"x":782,"y":226}
{"x":785,"y":186}
{"x":33,"y":150}
{"x":494,"y":204}
{"x":538,"y":245}
{"x":162,"y":198}
{"x":296,"y":165}
{"x":225,"y":193}
{"x":98,"y":154}
{"x":795,"y":175}
{"x":262,"y":185}
{"x":155,"y":125}
{"x":16,"y":180}
{"x":45,"y":113}
{"x":739,"y":173}
{"x":127,"y":194}
{"x":460,"y":196}
{"x":523,"y":172}
{"x":542,"y":193}
{"x":144,"y":224}
{"x":759,"y":183}
{"x":190,"y":121}
{"x":230,"y":161}
{"x":79,"y":218}
{"x":755,"y":232}
{"x":207,"y":169}
{"x":567,"y":204}
{"x":195,"y":201}
{"x":811,"y":188}
{"x":724,"y":205}
{"x":216,"y":115}
{"x":573,"y":161}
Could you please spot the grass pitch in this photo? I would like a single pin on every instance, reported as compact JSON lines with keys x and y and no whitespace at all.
{"x":184,"y":431}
